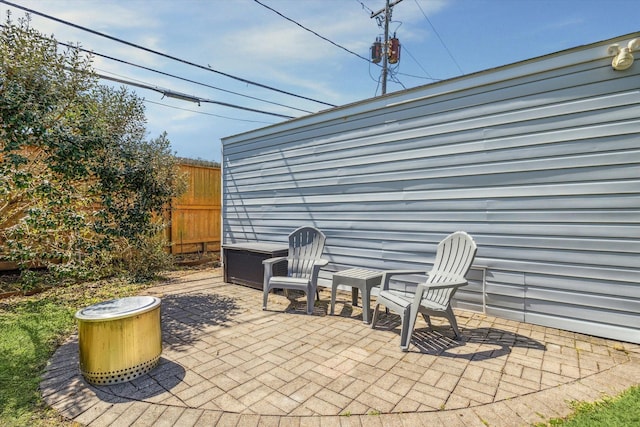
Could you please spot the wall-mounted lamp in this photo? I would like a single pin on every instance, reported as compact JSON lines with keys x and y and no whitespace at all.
{"x":623,"y":55}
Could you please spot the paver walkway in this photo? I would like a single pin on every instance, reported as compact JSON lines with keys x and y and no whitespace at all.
{"x":225,"y":362}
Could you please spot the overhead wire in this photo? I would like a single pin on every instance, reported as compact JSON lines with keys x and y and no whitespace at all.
{"x":178,"y":77}
{"x":311,"y":31}
{"x":375,"y":80}
{"x":393,"y":72}
{"x":404,"y":48}
{"x":143,"y":85}
{"x":394,"y":78}
{"x":174,"y":58}
{"x":419,"y":77}
{"x":429,"y":76}
{"x":205,"y":113}
{"x":371,"y":75}
{"x":368,"y":9}
{"x":364,"y":6}
{"x":439,"y":38}
{"x":187,"y":97}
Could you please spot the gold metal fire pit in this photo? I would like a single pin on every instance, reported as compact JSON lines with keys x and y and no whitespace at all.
{"x":120,"y":339}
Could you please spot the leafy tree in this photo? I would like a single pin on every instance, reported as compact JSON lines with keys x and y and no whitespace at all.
{"x":78,"y":180}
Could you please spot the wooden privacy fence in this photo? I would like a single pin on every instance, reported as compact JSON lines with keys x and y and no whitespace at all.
{"x":194,"y":225}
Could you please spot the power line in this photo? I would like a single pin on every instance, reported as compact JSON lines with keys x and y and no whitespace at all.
{"x":178,"y":77}
{"x":387,"y":50}
{"x":311,"y":31}
{"x":173,"y":94}
{"x":364,"y":6}
{"x":419,"y":77}
{"x":205,"y":113}
{"x":394,"y":78}
{"x":143,"y":85}
{"x":419,"y":64}
{"x":178,"y":95}
{"x":208,"y":68}
{"x":174,"y":76}
{"x":439,"y":38}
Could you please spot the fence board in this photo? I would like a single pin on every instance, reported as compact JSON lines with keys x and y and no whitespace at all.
{"x":195,"y":216}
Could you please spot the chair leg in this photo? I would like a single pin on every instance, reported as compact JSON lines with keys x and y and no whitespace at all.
{"x":452,"y":320}
{"x":427,"y":319}
{"x":375,"y":316}
{"x":333,"y":297}
{"x":265,"y":296}
{"x":310,"y":302}
{"x":405,"y":335}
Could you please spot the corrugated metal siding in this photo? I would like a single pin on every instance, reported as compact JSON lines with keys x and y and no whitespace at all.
{"x":538,"y":161}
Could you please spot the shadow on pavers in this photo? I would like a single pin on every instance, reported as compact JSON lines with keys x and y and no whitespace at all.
{"x":488,"y":343}
{"x":481,"y":343}
{"x":162,"y":378}
{"x":186,"y":317}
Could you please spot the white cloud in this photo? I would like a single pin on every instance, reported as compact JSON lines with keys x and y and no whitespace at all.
{"x":244,"y":39}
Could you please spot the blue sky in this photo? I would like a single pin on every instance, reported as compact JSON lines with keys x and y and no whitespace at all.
{"x":440,"y":39}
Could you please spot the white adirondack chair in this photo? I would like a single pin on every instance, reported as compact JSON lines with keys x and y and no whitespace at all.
{"x":303,"y":265}
{"x":454,"y":257}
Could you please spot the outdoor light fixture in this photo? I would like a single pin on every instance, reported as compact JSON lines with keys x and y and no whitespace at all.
{"x":182,"y":96}
{"x":623,"y":57}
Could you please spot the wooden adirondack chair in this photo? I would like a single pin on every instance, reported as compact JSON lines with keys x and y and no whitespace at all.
{"x":454,"y":257}
{"x":303,"y":265}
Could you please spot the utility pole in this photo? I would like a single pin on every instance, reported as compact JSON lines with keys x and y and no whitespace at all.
{"x":385,"y":54}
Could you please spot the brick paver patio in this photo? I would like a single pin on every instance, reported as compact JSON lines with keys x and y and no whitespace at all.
{"x":226,"y":362}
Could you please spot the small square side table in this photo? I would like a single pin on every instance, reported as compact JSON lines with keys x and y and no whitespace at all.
{"x":359,"y":279}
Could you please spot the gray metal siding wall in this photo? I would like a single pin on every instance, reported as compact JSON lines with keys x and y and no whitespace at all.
{"x":538,"y":162}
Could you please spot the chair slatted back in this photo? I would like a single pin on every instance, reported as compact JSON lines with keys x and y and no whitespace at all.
{"x":454,"y":257}
{"x":305,"y":246}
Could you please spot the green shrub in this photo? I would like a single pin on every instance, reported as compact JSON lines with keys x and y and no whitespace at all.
{"x":79,"y":181}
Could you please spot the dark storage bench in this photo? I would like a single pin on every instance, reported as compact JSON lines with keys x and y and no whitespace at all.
{"x":243,"y":262}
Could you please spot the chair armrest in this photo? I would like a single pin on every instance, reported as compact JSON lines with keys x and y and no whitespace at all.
{"x":317,"y":265}
{"x":268,"y":268}
{"x":444,"y":285}
{"x":422,"y":288}
{"x":388,"y":274}
{"x":271,"y":261}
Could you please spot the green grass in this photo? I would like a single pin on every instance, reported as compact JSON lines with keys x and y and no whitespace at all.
{"x":29,"y":335}
{"x":31,"y":329}
{"x":620,"y":411}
